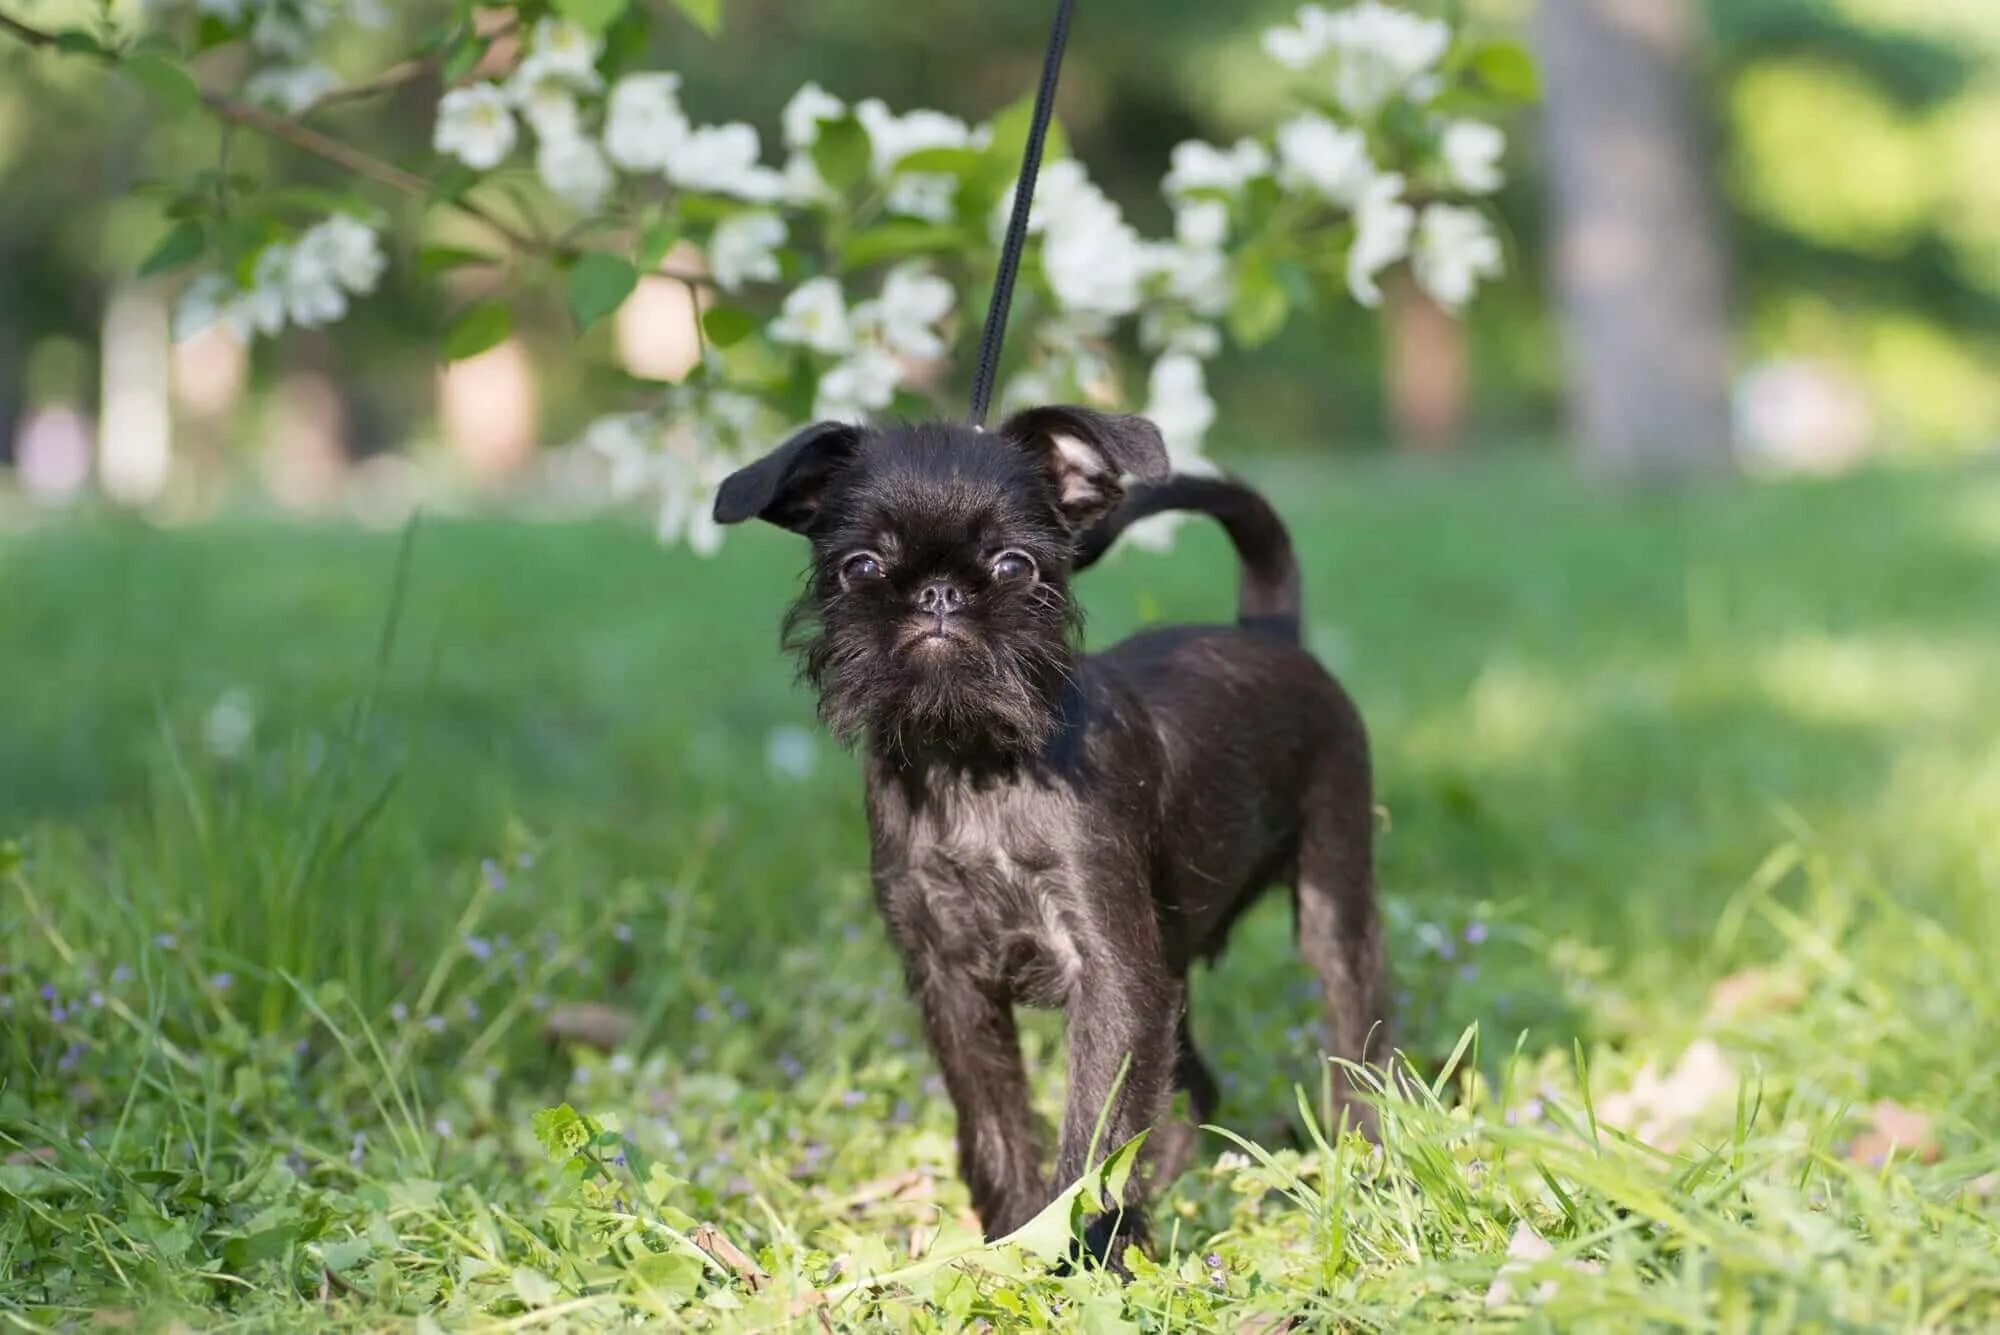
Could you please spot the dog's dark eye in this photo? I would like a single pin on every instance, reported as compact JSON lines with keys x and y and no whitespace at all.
{"x":860,"y":567}
{"x":1012,"y":566}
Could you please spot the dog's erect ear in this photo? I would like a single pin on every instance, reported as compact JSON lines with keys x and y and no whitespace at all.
{"x":1086,"y":452}
{"x":784,"y":486}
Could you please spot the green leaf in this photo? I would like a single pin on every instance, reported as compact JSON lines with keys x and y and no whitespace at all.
{"x":960,"y":162}
{"x":476,"y":329}
{"x":1258,"y":308}
{"x":465,"y":53}
{"x":173,"y":87}
{"x":591,"y":15}
{"x":562,"y":1130}
{"x":1010,"y":135}
{"x":656,"y":238}
{"x":340,"y":1257}
{"x":704,"y":14}
{"x":676,"y":1273}
{"x":1508,"y":70}
{"x":898,"y":239}
{"x":598,"y":285}
{"x":842,"y":153}
{"x":432,"y":260}
{"x":77,"y":42}
{"x":727,"y":325}
{"x":182,"y":244}
{"x":534,"y":1288}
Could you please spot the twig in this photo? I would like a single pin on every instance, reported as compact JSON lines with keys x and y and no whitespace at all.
{"x":409,"y":71}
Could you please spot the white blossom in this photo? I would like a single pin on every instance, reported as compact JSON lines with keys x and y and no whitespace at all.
{"x":1382,"y":236}
{"x":1455,"y":248}
{"x":1303,"y":43}
{"x":1178,"y":403}
{"x":1317,"y":155}
{"x":814,"y":316}
{"x":574,"y":171}
{"x":862,"y":384}
{"x":644,"y":125}
{"x":808,"y":109}
{"x":202,"y":302}
{"x":1197,"y":276}
{"x":1093,"y":259}
{"x":289,"y":89}
{"x":803,"y":183}
{"x":891,"y":138}
{"x":1472,"y":151}
{"x":345,"y":248}
{"x":905,"y":316}
{"x":626,"y":442}
{"x":744,"y":249}
{"x":1202,"y":223}
{"x":475,"y":126}
{"x":1382,"y":51}
{"x":722,"y":160}
{"x":564,"y":48}
{"x":927,"y":195}
{"x":264,"y":306}
{"x":1199,"y":166}
{"x":544,"y":92}
{"x":1166,"y":330}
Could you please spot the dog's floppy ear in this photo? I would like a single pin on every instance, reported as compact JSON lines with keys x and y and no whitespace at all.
{"x":1085,"y":453}
{"x":784,"y":486}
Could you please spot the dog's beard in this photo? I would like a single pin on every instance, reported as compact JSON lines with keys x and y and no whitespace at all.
{"x":992,"y":688}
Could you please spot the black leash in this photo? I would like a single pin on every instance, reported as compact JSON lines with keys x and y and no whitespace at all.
{"x":995,"y":333}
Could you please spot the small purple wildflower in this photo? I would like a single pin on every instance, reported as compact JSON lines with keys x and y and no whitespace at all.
{"x":58,"y":1013}
{"x":620,"y":1063}
{"x":96,"y":999}
{"x":524,"y":859}
{"x":223,"y":981}
{"x":49,"y":992}
{"x":789,"y":1066}
{"x":1214,"y":1260}
{"x":496,"y":880}
{"x":434,"y":1023}
{"x":121,"y":974}
{"x":442,"y":1127}
{"x":71,"y":1055}
{"x":901,"y":1112}
{"x":503,"y":941}
{"x":1475,"y":932}
{"x":703,"y":1013}
{"x":6,"y":1004}
{"x":621,"y":932}
{"x":852,"y":1098}
{"x":399,"y":1012}
{"x":739,"y":1010}
{"x":1468,"y":972}
{"x":538,"y":1002}
{"x":297,"y":1163}
{"x":165,"y":941}
{"x":619,"y":1159}
{"x":471,"y":1009}
{"x":301,"y":1048}
{"x":355,"y":1147}
{"x":479,"y":948}
{"x":851,"y":933}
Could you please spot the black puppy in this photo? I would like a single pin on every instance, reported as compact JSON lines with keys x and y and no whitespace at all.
{"x":1059,"y":829}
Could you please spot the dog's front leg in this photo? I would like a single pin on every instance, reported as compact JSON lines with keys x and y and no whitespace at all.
{"x":972,"y":1035}
{"x":1122,"y":1023}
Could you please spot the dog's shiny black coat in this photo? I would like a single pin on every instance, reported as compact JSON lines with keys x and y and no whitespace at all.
{"x":1059,"y":829}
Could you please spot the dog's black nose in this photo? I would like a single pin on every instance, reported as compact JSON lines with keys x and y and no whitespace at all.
{"x":940,"y":599}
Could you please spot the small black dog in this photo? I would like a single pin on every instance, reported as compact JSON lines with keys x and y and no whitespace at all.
{"x":1059,"y":829}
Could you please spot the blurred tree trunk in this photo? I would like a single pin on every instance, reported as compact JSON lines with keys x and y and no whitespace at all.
{"x":1426,"y":368}
{"x":1637,"y":247}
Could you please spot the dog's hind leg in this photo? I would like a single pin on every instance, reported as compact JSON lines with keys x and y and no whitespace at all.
{"x":1340,"y":932}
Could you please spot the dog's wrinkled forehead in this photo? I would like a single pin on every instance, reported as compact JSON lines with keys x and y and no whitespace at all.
{"x":939,"y":483}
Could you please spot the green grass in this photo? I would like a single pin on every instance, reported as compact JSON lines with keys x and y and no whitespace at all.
{"x":274,"y":1035}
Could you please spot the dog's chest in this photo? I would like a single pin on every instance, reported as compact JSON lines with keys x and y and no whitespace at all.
{"x":994,"y":897}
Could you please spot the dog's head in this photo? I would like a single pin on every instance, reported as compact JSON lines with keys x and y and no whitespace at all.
{"x":937,"y":614}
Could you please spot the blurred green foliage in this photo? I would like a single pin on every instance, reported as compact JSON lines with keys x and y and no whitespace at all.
{"x":1857,"y":146}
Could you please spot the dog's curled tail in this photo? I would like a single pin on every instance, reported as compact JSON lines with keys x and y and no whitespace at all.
{"x":1269,"y":599}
